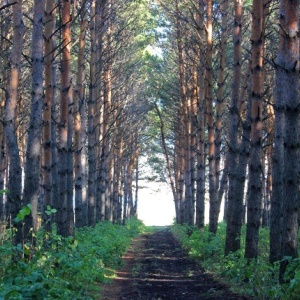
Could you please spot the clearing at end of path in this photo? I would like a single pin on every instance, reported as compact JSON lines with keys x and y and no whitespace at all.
{"x":156,"y":267}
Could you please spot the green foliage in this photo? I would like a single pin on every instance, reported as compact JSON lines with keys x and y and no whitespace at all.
{"x":256,"y":278}
{"x":49,"y":210}
{"x":292,"y":278}
{"x":25,"y":211}
{"x":65,"y":268}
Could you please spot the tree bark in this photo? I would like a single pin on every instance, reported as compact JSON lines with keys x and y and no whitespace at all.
{"x":4,"y":28}
{"x":201,"y":120}
{"x":91,"y":122}
{"x":224,"y":6}
{"x":183,"y":124}
{"x":47,"y":141}
{"x":287,"y":88}
{"x":269,"y":154}
{"x":33,"y":152}
{"x":64,"y":224}
{"x":235,"y":205}
{"x":213,"y":217}
{"x":254,"y":204}
{"x":79,"y":131}
{"x":15,"y":171}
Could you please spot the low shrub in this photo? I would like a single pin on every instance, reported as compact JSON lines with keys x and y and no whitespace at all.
{"x":65,"y":268}
{"x":256,"y":278}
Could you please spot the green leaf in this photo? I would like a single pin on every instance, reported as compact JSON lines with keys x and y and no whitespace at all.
{"x":26,"y":210}
{"x":18,"y":219}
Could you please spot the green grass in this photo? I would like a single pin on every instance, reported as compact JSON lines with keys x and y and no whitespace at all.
{"x":65,"y":268}
{"x":257,"y":278}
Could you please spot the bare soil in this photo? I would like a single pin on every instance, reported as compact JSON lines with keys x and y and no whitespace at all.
{"x":156,"y":268}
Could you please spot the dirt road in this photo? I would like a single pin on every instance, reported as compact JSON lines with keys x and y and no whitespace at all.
{"x":156,"y":267}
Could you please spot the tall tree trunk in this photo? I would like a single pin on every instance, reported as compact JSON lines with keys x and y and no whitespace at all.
{"x":121,"y":191}
{"x":223,"y":185}
{"x":220,"y":108}
{"x":235,"y":205}
{"x":188,"y":170}
{"x":201,"y":120}
{"x":33,"y":152}
{"x":2,"y":167}
{"x":15,"y":171}
{"x":102,"y":17}
{"x":70,"y":168}
{"x":244,"y":146}
{"x":54,"y":148}
{"x":105,"y":129}
{"x":255,"y":163}
{"x":4,"y":31}
{"x":91,"y":121}
{"x":282,"y":92}
{"x":183,"y":115}
{"x":213,"y":217}
{"x":117,"y":175}
{"x":200,"y":189}
{"x":269,"y":154}
{"x":50,"y":13}
{"x":224,"y":7}
{"x":63,"y":225}
{"x":136,"y":199}
{"x":263,"y":188}
{"x":287,"y":88}
{"x":79,"y":128}
{"x":125,"y":195}
{"x":194,"y":131}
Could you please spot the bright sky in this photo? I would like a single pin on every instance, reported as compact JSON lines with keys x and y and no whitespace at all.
{"x":156,"y":206}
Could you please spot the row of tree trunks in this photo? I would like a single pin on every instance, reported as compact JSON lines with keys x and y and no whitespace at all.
{"x":68,"y":157}
{"x":245,"y":122}
{"x":270,"y":173}
{"x":195,"y":112}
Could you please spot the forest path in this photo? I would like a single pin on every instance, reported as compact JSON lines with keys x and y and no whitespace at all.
{"x":156,"y":267}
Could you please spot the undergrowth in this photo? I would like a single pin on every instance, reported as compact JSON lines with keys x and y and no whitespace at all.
{"x":64,"y":268}
{"x":257,"y":278}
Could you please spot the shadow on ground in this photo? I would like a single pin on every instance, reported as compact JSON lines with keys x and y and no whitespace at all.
{"x":157,"y":268}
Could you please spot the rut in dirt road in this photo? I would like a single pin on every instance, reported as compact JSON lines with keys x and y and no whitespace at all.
{"x":161,"y":269}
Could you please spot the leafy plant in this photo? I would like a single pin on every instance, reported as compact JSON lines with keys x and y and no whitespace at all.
{"x":49,"y":210}
{"x":65,"y":268}
{"x":256,"y":278}
{"x":25,"y":211}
